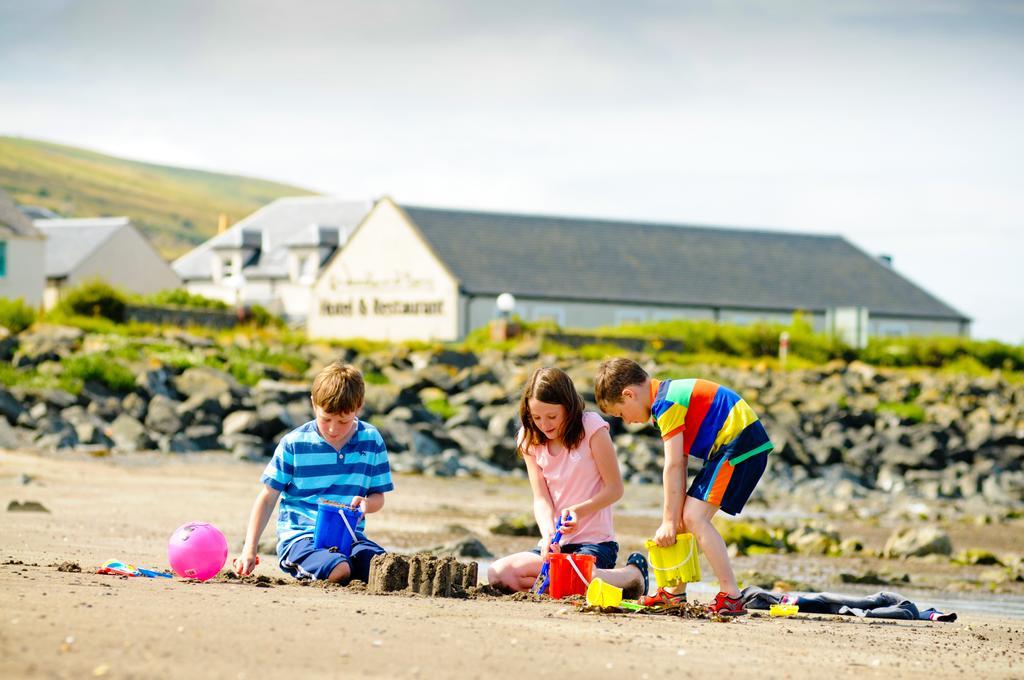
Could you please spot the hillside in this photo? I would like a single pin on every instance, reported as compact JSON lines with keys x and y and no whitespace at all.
{"x":177,"y":208}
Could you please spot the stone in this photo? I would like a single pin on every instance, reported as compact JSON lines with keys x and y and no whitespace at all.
{"x":10,"y":407}
{"x":918,"y":542}
{"x":202,"y":437}
{"x":469,"y":546}
{"x":128,"y":434}
{"x":812,"y":541}
{"x":240,"y":421}
{"x":162,"y":415}
{"x":203,"y":380}
{"x":26,"y":506}
{"x":135,"y":405}
{"x":10,"y":437}
{"x":513,"y":525}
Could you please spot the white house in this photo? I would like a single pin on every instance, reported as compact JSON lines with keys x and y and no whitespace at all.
{"x":110,"y":248}
{"x":22,"y":255}
{"x":425,"y":273}
{"x":273,"y":256}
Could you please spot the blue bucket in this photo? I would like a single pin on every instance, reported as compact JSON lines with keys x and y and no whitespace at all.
{"x":335,"y":527}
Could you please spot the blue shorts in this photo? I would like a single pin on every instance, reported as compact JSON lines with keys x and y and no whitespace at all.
{"x":606,"y":553}
{"x":303,"y":561}
{"x":729,"y":478}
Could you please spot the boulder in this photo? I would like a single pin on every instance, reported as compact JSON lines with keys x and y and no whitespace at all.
{"x":240,"y":421}
{"x":10,"y":437}
{"x":128,"y":434}
{"x":918,"y":542}
{"x":206,"y":381}
{"x":513,"y":525}
{"x":809,"y":540}
{"x":162,"y":415}
{"x":135,"y":405}
{"x":10,"y":407}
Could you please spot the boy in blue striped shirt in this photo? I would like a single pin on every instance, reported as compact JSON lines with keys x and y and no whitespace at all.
{"x":335,"y":457}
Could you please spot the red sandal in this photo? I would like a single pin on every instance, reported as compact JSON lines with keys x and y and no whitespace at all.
{"x":662,"y":598}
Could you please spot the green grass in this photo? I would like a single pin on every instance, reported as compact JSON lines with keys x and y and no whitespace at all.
{"x":177,"y":208}
{"x":906,"y":411}
{"x":440,"y":408}
{"x":100,"y":368}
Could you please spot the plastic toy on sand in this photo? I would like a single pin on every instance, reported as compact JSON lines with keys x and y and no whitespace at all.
{"x":336,"y":527}
{"x":197,"y":550}
{"x":675,"y":564}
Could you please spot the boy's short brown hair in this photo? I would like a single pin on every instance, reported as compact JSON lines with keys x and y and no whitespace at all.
{"x":615,"y":375}
{"x":339,"y":388}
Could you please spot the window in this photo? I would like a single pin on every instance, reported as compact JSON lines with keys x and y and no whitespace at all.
{"x":3,"y":259}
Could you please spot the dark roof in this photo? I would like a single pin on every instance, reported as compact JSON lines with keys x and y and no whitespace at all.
{"x":602,"y":260}
{"x":13,"y":221}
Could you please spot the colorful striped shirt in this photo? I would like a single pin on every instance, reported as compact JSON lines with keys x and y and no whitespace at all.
{"x":709,"y":416}
{"x":305,"y":469}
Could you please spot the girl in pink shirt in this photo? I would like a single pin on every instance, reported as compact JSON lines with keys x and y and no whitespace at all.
{"x":574,"y":476}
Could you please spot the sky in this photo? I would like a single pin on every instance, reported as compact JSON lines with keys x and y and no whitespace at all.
{"x":896,"y":124}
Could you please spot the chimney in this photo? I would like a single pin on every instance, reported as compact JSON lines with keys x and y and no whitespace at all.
{"x":222,"y":223}
{"x":886,"y":260}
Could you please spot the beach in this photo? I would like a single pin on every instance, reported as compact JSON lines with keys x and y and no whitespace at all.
{"x":57,"y":623}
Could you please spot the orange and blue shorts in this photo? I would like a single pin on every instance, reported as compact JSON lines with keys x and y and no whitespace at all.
{"x":728,"y":478}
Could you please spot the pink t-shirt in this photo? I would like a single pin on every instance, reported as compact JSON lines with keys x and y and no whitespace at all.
{"x":572,"y":477}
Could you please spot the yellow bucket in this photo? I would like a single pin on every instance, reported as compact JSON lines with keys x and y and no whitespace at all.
{"x":675,"y":564}
{"x":601,"y":594}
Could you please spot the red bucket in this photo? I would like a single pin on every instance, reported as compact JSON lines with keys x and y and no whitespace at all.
{"x":564,"y":579}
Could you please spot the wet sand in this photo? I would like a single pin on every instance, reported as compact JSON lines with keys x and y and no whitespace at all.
{"x":80,"y":624}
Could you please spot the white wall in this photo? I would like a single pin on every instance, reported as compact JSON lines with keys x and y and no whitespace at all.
{"x":385,"y":284}
{"x":26,"y":271}
{"x":128,"y":261}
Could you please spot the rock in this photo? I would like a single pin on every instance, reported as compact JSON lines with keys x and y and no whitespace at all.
{"x":135,"y":406}
{"x":380,"y":399}
{"x":812,"y":541}
{"x":445,"y":465}
{"x":155,"y":382}
{"x":202,"y":437}
{"x":474,"y":441}
{"x":47,"y":342}
{"x":503,"y":422}
{"x":240,"y":421}
{"x":128,"y":434}
{"x":205,"y":381}
{"x":464,"y":547}
{"x":977,"y":556}
{"x":513,"y":525}
{"x":10,"y":437}
{"x":918,"y":542}
{"x":10,"y":407}
{"x":745,"y":534}
{"x":162,"y":415}
{"x":26,"y":506}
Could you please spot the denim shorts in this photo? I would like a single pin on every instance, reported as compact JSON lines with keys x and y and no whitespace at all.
{"x":606,"y":553}
{"x":303,"y":561}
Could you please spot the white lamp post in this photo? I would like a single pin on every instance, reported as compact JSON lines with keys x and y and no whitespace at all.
{"x":506,"y":302}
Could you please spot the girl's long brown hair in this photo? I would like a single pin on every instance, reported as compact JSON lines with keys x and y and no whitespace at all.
{"x":552,"y":386}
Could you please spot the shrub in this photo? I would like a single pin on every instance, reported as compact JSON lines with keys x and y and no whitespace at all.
{"x":94,"y":298}
{"x":99,"y":368}
{"x":15,"y":315}
{"x":179,"y":297}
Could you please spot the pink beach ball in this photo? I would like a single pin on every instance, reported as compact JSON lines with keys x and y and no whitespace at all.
{"x":197,"y":550}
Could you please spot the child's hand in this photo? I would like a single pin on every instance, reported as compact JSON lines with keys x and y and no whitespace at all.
{"x":246,"y":562}
{"x":568,"y":520}
{"x":358,"y":503}
{"x":666,"y":534}
{"x":548,"y":547}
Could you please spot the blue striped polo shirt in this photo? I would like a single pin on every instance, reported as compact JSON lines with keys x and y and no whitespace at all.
{"x":305,"y":469}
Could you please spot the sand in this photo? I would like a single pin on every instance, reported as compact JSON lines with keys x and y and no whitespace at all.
{"x":58,"y":622}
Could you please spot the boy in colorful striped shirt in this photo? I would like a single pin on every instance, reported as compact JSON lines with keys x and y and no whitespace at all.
{"x":708,"y":421}
{"x":336,"y":457}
